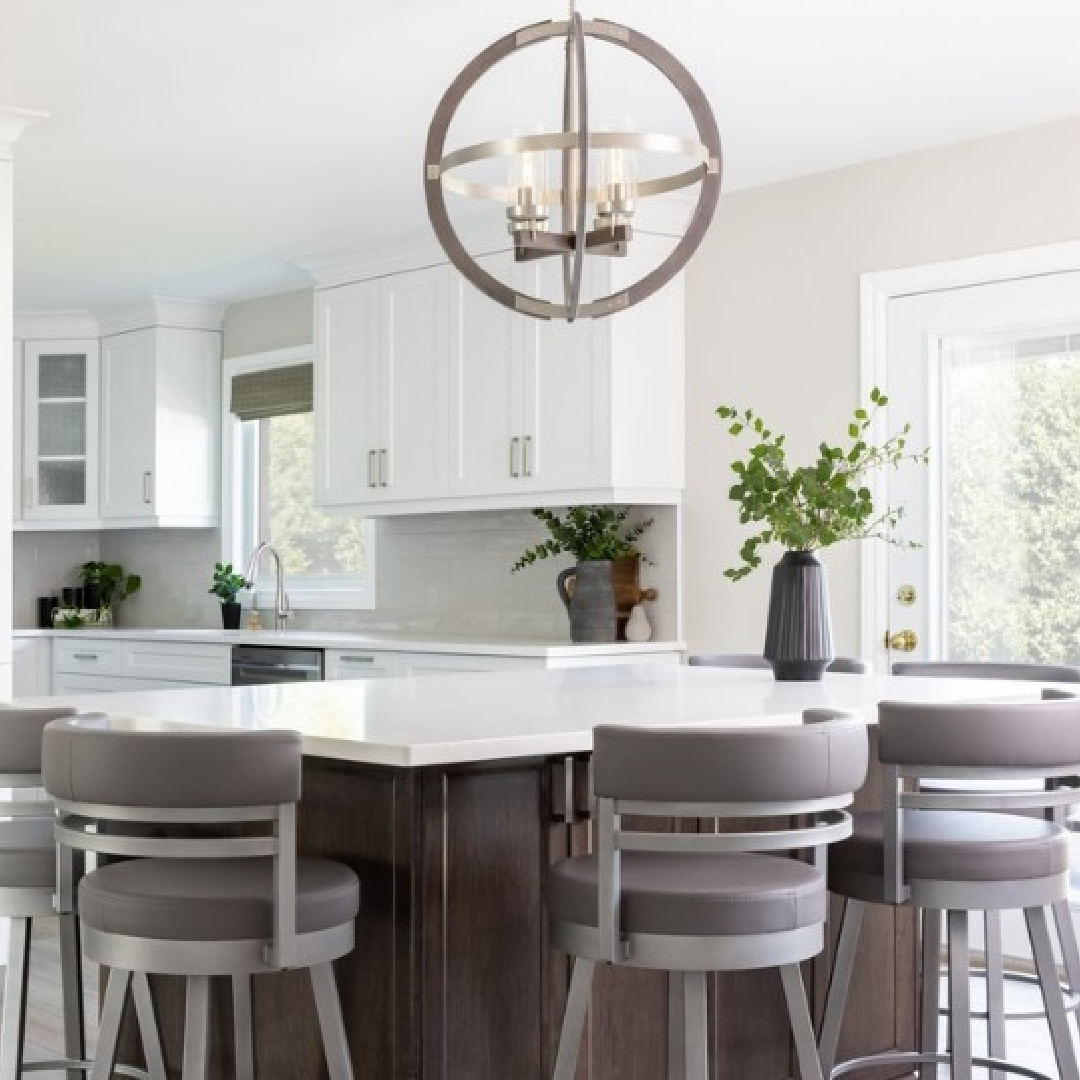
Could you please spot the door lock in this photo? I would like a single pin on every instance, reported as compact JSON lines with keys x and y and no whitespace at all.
{"x":901,"y":641}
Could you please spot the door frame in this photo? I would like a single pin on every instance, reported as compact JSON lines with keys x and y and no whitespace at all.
{"x":876,"y":290}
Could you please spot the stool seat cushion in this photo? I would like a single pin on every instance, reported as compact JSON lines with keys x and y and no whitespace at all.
{"x":212,"y":899}
{"x":948,"y":845}
{"x":692,"y":894}
{"x":27,"y":854}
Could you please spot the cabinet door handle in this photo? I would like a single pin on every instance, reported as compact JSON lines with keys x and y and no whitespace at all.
{"x":372,"y":465}
{"x":356,"y":659}
{"x":85,"y":656}
{"x":147,"y":487}
{"x":526,"y":456}
{"x":515,"y":446}
{"x":384,"y":467}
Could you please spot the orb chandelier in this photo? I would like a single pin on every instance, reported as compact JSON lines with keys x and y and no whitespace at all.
{"x":615,"y":191}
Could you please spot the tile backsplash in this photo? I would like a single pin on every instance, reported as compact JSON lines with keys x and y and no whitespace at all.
{"x":441,"y":574}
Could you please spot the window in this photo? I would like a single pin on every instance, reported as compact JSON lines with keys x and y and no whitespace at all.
{"x":268,"y":454}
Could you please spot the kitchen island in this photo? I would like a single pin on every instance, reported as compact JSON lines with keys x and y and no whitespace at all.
{"x":450,"y":796}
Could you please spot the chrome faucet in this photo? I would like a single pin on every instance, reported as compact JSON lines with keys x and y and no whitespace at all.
{"x":281,"y":601}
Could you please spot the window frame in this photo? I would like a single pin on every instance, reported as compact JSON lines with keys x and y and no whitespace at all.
{"x":341,"y":592}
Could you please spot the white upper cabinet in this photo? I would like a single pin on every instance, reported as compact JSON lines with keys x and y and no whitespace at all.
{"x":380,"y":389}
{"x":59,"y":481}
{"x":161,"y":410}
{"x":430,"y":396}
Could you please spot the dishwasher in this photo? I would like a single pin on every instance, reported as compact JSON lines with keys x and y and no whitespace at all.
{"x":254,"y":665}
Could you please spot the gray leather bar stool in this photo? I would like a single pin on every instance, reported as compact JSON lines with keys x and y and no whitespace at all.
{"x":947,"y":853}
{"x":224,"y":904}
{"x":842,"y":665}
{"x":996,"y":973}
{"x":700,"y":902}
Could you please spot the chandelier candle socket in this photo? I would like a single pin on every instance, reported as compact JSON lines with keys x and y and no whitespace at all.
{"x":527,"y":197}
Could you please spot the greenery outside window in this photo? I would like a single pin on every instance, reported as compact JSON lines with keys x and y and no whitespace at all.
{"x":268,"y":460}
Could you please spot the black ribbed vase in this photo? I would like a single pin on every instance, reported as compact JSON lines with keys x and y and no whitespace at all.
{"x":798,"y":637}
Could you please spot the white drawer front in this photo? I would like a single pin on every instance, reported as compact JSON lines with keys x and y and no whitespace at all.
{"x":358,"y":664}
{"x":91,"y":657}
{"x":203,"y":664}
{"x":422,"y":663}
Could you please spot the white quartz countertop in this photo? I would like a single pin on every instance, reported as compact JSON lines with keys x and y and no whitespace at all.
{"x":438,"y":720}
{"x":329,"y":639}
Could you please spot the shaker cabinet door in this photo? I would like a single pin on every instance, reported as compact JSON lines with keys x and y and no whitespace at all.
{"x":128,"y":406}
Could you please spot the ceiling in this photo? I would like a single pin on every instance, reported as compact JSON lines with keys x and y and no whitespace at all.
{"x":203,"y":148}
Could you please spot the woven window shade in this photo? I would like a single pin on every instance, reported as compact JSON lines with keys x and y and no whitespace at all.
{"x":273,"y":392}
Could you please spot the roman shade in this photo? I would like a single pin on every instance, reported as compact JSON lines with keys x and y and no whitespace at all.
{"x":257,"y":395}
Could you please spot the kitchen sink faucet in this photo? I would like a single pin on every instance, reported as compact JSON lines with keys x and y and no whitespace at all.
{"x":281,"y":601}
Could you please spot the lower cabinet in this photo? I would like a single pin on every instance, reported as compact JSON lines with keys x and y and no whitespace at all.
{"x":101,"y":666}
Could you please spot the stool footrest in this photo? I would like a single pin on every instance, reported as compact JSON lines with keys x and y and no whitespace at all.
{"x":912,"y":1057}
{"x":83,"y":1066}
{"x":1071,"y":999}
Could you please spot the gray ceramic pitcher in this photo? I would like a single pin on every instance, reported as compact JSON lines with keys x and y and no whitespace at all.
{"x":589,"y":596}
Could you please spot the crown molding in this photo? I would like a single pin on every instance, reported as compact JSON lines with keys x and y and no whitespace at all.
{"x":13,"y":122}
{"x":55,"y":325}
{"x":160,"y":311}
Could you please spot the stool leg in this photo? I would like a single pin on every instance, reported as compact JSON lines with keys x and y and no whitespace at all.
{"x":13,"y":1025}
{"x":1041,"y":949}
{"x":71,"y":978}
{"x":676,"y":1048}
{"x":577,"y":1002}
{"x":696,"y":1022}
{"x":802,"y":1027}
{"x":839,"y":981}
{"x":1070,"y":954}
{"x":959,"y":997}
{"x":112,"y":1013}
{"x":196,"y":1027}
{"x":149,"y":1034}
{"x":931,"y":980}
{"x":331,"y":1023}
{"x":995,"y":991}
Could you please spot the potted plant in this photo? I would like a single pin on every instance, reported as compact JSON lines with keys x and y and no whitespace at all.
{"x":104,"y":585}
{"x":804,"y":509}
{"x":595,"y":536}
{"x":226,"y":585}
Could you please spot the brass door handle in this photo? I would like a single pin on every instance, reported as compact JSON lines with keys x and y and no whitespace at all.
{"x":901,"y":641}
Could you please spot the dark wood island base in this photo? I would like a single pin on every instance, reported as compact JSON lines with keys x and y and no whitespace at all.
{"x":453,"y":976}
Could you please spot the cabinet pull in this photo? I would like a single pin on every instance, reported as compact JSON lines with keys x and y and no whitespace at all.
{"x":85,"y":656}
{"x":372,"y":465}
{"x":384,"y":467}
{"x":526,"y":456}
{"x":356,"y":659}
{"x":147,"y":489}
{"x":515,"y":446}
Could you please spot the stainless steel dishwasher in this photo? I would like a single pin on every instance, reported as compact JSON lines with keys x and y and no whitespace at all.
{"x":253,"y":665}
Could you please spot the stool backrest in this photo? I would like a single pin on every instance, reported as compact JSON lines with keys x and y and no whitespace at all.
{"x":101,"y":774}
{"x":811,"y":769}
{"x":842,"y":665}
{"x":949,"y":669}
{"x":21,"y":730}
{"x":1003,"y":745}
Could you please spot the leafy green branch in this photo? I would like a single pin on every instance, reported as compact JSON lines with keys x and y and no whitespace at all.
{"x":814,"y":506}
{"x":587,"y":533}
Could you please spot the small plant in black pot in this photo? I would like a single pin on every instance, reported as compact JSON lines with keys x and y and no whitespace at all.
{"x":226,"y":585}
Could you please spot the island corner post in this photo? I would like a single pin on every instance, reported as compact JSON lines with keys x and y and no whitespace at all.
{"x":454,"y":977}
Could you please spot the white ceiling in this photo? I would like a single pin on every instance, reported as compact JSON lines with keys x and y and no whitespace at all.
{"x":201,"y":148}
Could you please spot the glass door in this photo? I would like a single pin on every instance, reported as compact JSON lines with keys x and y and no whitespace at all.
{"x":60,"y":430}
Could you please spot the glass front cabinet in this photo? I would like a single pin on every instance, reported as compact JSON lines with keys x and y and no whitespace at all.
{"x":60,"y":431}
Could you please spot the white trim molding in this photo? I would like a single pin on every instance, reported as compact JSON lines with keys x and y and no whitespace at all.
{"x":876,"y":290}
{"x":13,"y":122}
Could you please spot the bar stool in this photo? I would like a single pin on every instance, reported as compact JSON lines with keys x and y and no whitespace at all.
{"x":842,"y":665}
{"x":927,"y":851}
{"x":694,"y":903}
{"x":996,"y":974}
{"x":225,"y":904}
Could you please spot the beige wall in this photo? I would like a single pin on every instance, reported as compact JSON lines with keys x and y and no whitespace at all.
{"x":269,"y":322}
{"x":772,"y":310}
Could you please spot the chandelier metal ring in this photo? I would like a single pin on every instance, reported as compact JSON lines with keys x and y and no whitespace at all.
{"x":574,"y":143}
